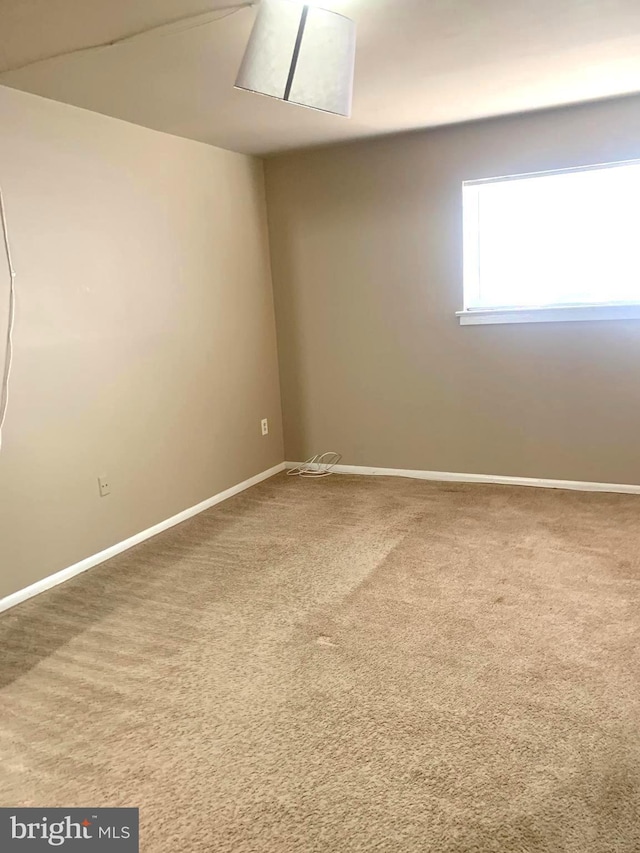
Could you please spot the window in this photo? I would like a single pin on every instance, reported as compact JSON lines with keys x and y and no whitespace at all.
{"x":553,"y":246}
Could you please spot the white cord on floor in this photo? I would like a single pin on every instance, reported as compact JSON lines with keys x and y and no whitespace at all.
{"x":320,"y":465}
{"x":6,"y":374}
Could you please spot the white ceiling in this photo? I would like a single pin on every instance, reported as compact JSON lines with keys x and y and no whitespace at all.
{"x":420,"y":63}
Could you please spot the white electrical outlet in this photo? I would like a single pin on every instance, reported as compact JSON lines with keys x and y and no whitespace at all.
{"x":265,"y":426}
{"x":105,"y":486}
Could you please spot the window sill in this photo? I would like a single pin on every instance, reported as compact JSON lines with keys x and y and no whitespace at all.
{"x":482,"y":316}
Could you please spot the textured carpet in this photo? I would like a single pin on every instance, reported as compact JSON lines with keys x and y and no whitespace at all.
{"x":351,"y":664}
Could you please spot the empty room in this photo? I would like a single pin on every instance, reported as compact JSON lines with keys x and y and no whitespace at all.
{"x":319,"y":426}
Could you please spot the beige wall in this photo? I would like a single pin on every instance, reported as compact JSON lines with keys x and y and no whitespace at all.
{"x":367,"y":264}
{"x":145,"y":344}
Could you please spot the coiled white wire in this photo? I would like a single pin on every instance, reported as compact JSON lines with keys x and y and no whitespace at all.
{"x":6,"y":374}
{"x":320,"y":465}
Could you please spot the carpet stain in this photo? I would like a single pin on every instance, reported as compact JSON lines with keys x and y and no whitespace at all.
{"x":325,"y":641}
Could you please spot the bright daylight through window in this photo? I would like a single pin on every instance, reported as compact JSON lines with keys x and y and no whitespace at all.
{"x":553,"y":246}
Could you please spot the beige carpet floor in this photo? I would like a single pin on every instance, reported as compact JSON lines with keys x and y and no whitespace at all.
{"x":351,"y":664}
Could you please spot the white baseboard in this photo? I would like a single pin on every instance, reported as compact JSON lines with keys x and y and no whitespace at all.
{"x":496,"y":479}
{"x":63,"y":575}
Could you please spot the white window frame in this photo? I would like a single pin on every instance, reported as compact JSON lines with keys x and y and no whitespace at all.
{"x":545,"y":314}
